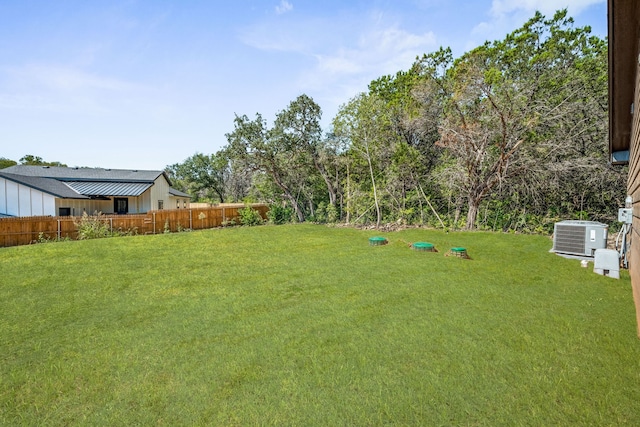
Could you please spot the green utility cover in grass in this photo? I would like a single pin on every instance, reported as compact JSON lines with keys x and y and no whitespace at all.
{"x":459,"y":252}
{"x":377,"y":241}
{"x":422,"y":246}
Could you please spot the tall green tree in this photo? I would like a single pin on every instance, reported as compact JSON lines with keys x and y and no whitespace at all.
{"x":291,"y":156}
{"x":513,"y":131}
{"x":32,"y":160}
{"x":299,"y":125}
{"x":365,"y":124}
{"x":5,"y":163}
{"x":204,"y":176}
{"x":415,"y":111}
{"x":259,"y":149}
{"x":508,"y":96}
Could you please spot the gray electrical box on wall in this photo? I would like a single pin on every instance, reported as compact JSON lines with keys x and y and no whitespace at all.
{"x":580,"y":238}
{"x":625,"y":215}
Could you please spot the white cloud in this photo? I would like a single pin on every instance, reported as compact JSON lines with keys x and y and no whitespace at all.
{"x":379,"y":52}
{"x":63,"y":89}
{"x":61,"y":78}
{"x":284,"y":7}
{"x":347,"y":71}
{"x":505,"y":15}
{"x":342,"y":55}
{"x":503,"y":7}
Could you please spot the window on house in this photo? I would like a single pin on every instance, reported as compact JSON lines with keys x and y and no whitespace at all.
{"x":121,"y":205}
{"x":184,"y":204}
{"x":178,"y":204}
{"x":160,"y":205}
{"x":64,"y":211}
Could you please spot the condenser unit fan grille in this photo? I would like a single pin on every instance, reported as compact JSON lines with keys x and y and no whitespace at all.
{"x":570,"y":239}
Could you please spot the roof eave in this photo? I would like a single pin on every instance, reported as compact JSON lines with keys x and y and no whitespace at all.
{"x":41,"y":189}
{"x":623,"y":19}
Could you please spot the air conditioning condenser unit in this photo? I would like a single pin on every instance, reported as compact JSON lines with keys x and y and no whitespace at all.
{"x":580,"y":238}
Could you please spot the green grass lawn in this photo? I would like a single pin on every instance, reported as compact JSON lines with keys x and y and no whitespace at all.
{"x":308,"y":325}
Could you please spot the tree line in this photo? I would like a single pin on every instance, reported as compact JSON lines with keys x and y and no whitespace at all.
{"x":28,"y":159}
{"x":511,"y":136}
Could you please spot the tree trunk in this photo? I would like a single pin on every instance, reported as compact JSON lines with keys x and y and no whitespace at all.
{"x":375,"y":191}
{"x":296,"y":207}
{"x":327,"y":180}
{"x":287,"y":193}
{"x":472,"y":214}
{"x":348,"y":216}
{"x":220,"y":196}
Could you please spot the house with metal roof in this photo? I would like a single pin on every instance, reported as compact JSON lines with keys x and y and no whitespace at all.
{"x":59,"y":191}
{"x":624,"y":119}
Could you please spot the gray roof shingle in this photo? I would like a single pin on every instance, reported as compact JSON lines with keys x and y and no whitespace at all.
{"x":85,"y":174}
{"x":84,"y":183}
{"x":46,"y":185}
{"x":178,"y":193}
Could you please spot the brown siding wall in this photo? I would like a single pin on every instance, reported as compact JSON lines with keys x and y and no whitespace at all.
{"x":634,"y":191}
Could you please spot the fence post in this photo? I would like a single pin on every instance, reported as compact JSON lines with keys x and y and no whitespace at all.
{"x":111,"y":224}
{"x":190,"y":219}
{"x":154,"y":223}
{"x":59,"y":232}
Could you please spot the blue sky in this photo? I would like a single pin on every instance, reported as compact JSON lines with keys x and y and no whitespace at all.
{"x":144,"y":84}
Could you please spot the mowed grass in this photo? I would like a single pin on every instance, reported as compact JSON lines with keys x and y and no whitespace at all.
{"x":309,"y":325}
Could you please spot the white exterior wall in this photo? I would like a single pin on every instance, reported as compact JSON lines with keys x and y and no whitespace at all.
{"x":78,"y":206}
{"x":160,"y":191}
{"x":20,"y":200}
{"x":136,"y":205}
{"x":144,"y":201}
{"x":175,"y":200}
{"x":49,"y":204}
{"x":37,"y":204}
{"x":13,"y":207}
{"x":4,"y":206}
{"x":24,"y":201}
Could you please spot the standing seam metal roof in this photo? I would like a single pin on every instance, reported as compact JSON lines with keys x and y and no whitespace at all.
{"x":132,"y":189}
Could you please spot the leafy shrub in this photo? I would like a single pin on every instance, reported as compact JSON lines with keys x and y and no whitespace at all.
{"x":332,"y":214}
{"x":182,"y":229}
{"x":229,"y":223}
{"x":279,"y":214}
{"x":92,"y":226}
{"x":325,"y":213}
{"x":126,"y":232}
{"x":320,"y":215}
{"x":250,"y":216}
{"x":43,"y":238}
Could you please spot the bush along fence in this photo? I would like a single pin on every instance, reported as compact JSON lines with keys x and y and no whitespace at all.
{"x":27,"y":230}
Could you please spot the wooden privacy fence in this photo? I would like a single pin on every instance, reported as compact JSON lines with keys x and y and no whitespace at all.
{"x":27,"y":230}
